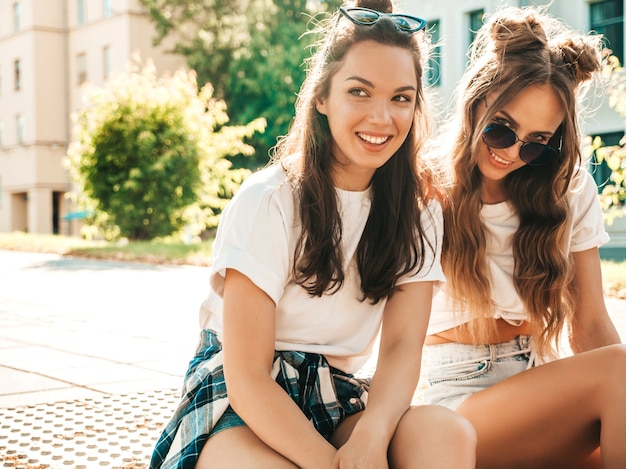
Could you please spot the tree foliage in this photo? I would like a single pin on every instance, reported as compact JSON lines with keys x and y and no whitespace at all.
{"x":613,"y":195}
{"x":251,"y":51}
{"x":208,"y":33}
{"x":149,"y":154}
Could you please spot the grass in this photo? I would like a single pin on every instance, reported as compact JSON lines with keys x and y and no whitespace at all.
{"x":153,"y":252}
{"x":168,"y":252}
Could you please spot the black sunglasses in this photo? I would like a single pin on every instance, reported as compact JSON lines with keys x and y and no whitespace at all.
{"x":534,"y":154}
{"x":367,"y":17}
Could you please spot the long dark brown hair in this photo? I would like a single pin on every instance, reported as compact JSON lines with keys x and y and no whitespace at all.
{"x":392,"y":242}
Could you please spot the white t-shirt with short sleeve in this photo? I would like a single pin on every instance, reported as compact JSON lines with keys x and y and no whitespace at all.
{"x":257,"y":236}
{"x":501,"y":222}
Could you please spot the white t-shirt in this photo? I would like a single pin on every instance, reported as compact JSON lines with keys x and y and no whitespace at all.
{"x":257,"y":236}
{"x":586,"y":231}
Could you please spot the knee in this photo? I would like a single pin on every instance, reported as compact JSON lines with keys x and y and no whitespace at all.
{"x":453,"y":424}
{"x":616,"y":363}
{"x":434,"y":436}
{"x":441,"y":423}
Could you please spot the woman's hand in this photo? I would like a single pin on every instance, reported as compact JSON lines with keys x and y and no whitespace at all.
{"x":362,"y":452}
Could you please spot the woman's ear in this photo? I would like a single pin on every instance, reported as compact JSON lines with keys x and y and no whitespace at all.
{"x":320,"y":106}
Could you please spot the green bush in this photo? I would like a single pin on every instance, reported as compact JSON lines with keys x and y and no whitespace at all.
{"x":149,"y":156}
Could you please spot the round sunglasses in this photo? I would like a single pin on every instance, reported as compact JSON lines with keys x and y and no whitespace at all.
{"x":534,"y":154}
{"x":367,"y":17}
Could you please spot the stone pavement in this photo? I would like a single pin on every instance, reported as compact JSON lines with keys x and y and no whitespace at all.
{"x":92,"y":355}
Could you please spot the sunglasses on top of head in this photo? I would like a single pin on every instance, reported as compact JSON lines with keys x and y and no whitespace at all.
{"x":367,"y":17}
{"x":500,"y":136}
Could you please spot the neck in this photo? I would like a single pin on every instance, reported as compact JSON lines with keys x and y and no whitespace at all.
{"x":492,"y":192}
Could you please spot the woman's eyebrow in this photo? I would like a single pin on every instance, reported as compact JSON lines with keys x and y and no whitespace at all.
{"x":371,"y":85}
{"x":516,"y":125}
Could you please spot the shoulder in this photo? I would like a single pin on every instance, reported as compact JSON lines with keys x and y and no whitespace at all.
{"x":582,"y":188}
{"x":262,"y":181}
{"x":269,"y":185}
{"x":432,"y":216}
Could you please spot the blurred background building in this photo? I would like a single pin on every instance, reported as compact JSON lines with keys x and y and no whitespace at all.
{"x":50,"y":49}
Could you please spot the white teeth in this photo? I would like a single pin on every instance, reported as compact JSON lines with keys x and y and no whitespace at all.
{"x":498,"y":159}
{"x":374,"y":140}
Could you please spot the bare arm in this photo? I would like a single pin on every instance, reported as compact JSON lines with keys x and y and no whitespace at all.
{"x":591,"y":326}
{"x":397,"y":373}
{"x":249,"y":325}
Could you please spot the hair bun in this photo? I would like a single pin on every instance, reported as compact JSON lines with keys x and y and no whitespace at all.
{"x":515,"y":33}
{"x":385,"y":6}
{"x":581,"y":53}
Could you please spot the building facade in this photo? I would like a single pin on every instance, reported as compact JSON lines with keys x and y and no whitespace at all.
{"x":49,"y":50}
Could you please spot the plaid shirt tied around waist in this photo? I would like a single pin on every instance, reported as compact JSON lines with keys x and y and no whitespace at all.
{"x":324,"y":394}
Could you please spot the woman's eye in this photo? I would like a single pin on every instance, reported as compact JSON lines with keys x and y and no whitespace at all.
{"x":403,"y":98}
{"x":500,"y":120}
{"x":357,"y":92}
{"x":538,"y":138}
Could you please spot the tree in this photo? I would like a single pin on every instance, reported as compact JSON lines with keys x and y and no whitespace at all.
{"x":150,"y":155}
{"x":253,"y":55}
{"x":208,"y":33}
{"x":613,"y":194}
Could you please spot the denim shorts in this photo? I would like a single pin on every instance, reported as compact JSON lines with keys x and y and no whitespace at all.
{"x":456,"y":371}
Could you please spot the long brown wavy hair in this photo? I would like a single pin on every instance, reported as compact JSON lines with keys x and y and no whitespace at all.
{"x":392,"y":242}
{"x":515,"y":49}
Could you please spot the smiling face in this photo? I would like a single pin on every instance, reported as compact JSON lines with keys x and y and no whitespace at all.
{"x":370,"y":108}
{"x":534,"y":115}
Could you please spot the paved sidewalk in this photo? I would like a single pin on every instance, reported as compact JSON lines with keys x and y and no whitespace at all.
{"x":92,"y":355}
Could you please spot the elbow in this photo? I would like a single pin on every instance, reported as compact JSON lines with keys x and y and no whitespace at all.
{"x":235,"y":389}
{"x":243,"y":387}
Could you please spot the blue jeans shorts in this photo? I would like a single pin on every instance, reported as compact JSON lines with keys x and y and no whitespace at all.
{"x":456,"y":371}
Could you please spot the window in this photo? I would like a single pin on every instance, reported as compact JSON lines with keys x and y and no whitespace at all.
{"x":17,"y":72}
{"x":17,"y":16}
{"x":19,"y":127}
{"x":80,"y":12}
{"x":81,"y":68}
{"x":433,"y":73}
{"x":107,"y":9}
{"x":107,"y":58}
{"x":607,"y":18}
{"x":475,"y":21}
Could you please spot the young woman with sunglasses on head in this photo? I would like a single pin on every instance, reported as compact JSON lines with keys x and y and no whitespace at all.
{"x":311,"y":256}
{"x":522,"y":226}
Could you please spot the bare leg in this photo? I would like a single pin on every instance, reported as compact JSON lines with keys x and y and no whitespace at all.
{"x":240,"y":448}
{"x":427,"y":437}
{"x":433,"y":437}
{"x":555,"y":415}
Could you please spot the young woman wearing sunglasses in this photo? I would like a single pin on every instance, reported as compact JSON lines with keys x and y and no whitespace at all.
{"x":312,"y":255}
{"x":522,"y":227}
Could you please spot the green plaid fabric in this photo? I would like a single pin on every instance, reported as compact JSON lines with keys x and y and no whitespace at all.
{"x":325,"y":395}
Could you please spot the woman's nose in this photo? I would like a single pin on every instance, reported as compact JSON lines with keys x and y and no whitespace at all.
{"x":380,"y":112}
